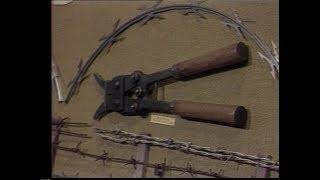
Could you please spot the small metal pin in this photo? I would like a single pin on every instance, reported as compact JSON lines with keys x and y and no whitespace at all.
{"x":135,"y":77}
{"x":134,"y":106}
{"x":138,"y":91}
{"x":117,"y":84}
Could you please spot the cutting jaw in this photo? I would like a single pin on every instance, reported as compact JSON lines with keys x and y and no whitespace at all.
{"x":102,"y":109}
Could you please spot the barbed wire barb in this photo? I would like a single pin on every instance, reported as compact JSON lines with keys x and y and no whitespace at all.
{"x":151,"y":15}
{"x":220,"y":154}
{"x":193,"y":10}
{"x":159,"y":168}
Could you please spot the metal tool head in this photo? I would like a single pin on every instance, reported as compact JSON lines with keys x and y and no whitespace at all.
{"x":118,"y":95}
{"x":126,"y":94}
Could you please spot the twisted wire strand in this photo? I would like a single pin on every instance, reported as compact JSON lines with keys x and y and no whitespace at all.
{"x":134,"y":162}
{"x":169,"y":140}
{"x":131,"y":138}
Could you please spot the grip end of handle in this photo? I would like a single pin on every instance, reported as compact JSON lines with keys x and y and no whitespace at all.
{"x":228,"y":115}
{"x":234,"y":55}
{"x":240,"y":116}
{"x":243,"y":51}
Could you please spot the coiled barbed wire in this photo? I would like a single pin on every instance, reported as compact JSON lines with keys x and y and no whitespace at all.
{"x":226,"y":155}
{"x":110,"y":39}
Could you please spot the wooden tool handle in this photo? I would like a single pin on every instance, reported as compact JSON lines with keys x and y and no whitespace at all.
{"x":211,"y":113}
{"x":224,"y":57}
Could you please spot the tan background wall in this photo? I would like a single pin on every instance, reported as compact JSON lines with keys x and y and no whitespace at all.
{"x":76,"y":29}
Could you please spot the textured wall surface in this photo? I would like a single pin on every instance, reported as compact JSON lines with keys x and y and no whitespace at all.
{"x":76,"y":29}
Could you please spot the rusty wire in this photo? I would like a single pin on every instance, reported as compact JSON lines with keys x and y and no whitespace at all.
{"x":105,"y":157}
{"x":61,"y":122}
{"x":71,"y":124}
{"x":69,"y":133}
{"x":58,"y":123}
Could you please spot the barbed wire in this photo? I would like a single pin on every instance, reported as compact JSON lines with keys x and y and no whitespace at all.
{"x":133,"y":139}
{"x":105,"y":157}
{"x":152,"y":13}
{"x":58,"y":123}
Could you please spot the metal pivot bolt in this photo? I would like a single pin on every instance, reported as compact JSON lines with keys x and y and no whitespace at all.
{"x":134,"y":106}
{"x":117,"y":84}
{"x":135,"y":77}
{"x":138,"y":91}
